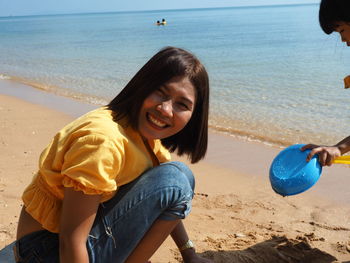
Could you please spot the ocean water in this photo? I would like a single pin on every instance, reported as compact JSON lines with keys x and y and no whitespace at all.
{"x":275,"y":76}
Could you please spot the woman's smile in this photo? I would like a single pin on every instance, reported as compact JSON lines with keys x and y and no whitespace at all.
{"x":158,"y":123}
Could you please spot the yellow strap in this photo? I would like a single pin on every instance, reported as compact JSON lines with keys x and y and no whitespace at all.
{"x":342,"y":159}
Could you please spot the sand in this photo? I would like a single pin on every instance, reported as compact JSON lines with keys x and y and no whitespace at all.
{"x":236,"y":217}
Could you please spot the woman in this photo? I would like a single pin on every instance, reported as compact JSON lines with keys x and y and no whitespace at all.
{"x":105,"y":190}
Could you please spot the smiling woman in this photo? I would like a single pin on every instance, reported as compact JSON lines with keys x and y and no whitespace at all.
{"x":170,"y":71}
{"x":106,"y":190}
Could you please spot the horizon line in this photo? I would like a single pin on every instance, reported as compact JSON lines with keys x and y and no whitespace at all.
{"x":155,"y":10}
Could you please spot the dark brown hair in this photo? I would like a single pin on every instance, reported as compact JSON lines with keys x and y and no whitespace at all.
{"x":333,"y":11}
{"x":170,"y":62}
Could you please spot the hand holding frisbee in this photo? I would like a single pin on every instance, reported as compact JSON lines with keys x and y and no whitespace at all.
{"x":327,"y":155}
{"x":291,"y":174}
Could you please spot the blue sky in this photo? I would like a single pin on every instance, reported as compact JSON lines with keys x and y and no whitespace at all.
{"x":40,"y":7}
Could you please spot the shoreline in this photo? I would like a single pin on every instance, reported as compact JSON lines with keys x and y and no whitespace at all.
{"x":260,"y":132}
{"x":235,"y":217}
{"x":17,"y":87}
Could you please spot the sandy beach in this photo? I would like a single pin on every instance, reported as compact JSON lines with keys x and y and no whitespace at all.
{"x":236,"y":216}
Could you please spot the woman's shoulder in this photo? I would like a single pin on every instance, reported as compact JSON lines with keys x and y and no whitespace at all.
{"x":98,"y":122}
{"x":97,"y":126}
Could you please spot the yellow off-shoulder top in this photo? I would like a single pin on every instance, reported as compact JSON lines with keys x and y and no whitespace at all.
{"x":93,"y":154}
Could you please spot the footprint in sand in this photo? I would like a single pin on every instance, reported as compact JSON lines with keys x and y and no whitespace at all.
{"x":201,"y":194}
{"x":335,"y":228}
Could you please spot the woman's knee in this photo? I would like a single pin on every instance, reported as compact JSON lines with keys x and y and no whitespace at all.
{"x":181,"y":173}
{"x":177,"y":183}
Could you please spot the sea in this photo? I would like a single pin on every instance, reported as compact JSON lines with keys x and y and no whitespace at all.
{"x":275,"y":77}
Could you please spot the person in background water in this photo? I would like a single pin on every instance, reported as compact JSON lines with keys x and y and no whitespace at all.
{"x":106,"y":190}
{"x":163,"y":23}
{"x":334,"y":16}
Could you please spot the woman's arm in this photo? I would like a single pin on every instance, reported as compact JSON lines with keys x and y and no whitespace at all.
{"x":78,"y":214}
{"x":189,"y":255}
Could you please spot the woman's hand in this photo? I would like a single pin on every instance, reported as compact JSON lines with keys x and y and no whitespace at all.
{"x":326,"y":154}
{"x":189,"y":255}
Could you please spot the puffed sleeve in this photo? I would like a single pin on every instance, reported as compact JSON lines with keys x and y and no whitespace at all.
{"x":92,"y":163}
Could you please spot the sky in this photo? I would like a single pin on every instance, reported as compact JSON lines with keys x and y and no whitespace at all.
{"x":42,"y":7}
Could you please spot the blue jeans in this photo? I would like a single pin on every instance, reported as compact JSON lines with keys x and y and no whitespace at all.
{"x":163,"y":192}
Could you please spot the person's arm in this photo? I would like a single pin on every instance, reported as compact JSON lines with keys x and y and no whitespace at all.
{"x":344,"y":145}
{"x":327,"y":154}
{"x":180,"y":238}
{"x":78,"y":214}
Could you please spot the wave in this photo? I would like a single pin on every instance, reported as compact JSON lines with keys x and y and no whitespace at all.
{"x":3,"y":76}
{"x":95,"y":100}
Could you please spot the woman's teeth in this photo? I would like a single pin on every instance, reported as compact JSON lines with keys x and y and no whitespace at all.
{"x":156,"y":121}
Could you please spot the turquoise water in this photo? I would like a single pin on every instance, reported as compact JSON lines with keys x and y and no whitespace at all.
{"x":275,"y":76}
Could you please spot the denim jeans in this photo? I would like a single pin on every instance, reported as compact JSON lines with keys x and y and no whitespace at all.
{"x":163,"y":192}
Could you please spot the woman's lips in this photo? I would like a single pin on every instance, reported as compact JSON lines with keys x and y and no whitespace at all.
{"x":155,"y":121}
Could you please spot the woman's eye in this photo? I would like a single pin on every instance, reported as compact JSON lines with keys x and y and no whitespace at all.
{"x":161,"y":93}
{"x":183,"y":106}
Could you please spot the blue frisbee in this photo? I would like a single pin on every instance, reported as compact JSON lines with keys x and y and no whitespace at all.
{"x":290,"y":174}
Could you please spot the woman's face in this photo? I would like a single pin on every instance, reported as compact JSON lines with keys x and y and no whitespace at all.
{"x":167,"y":110}
{"x":343,"y":28}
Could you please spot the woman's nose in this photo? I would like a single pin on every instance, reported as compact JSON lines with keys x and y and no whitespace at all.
{"x":166,"y":108}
